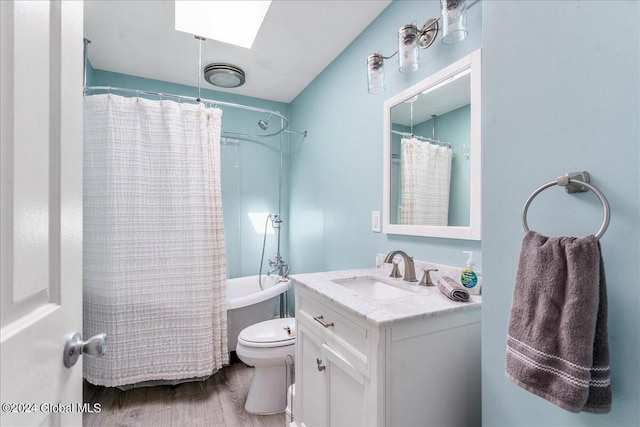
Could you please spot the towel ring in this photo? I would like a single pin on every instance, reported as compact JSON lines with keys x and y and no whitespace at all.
{"x":574,"y":185}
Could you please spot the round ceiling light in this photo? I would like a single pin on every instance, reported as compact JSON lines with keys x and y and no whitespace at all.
{"x":224,"y":75}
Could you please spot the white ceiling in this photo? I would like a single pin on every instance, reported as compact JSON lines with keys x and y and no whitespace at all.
{"x":297,"y":40}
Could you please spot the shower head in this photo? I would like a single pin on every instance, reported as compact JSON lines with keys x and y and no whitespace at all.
{"x":264,"y":124}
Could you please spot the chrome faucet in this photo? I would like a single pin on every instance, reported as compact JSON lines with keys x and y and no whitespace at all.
{"x":278,"y":265}
{"x":409,"y":267}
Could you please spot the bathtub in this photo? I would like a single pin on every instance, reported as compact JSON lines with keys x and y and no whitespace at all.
{"x":247,"y":304}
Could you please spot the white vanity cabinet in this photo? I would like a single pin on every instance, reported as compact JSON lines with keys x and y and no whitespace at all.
{"x":351,"y":371}
{"x":331,"y":380}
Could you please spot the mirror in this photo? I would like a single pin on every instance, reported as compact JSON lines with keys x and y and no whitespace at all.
{"x":432,"y":155}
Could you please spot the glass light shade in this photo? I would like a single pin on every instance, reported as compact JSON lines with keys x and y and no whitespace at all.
{"x":375,"y":73}
{"x":408,"y":59}
{"x":454,"y":21}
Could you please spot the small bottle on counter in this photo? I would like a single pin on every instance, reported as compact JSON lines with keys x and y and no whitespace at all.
{"x":469,"y":278}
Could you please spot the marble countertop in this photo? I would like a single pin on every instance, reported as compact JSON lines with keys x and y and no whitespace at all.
{"x":422,"y":302}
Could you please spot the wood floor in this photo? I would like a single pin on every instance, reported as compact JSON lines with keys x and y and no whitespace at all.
{"x":218,"y":401}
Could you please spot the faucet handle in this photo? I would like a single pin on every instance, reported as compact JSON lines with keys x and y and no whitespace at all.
{"x":426,"y":278}
{"x":395,"y":271}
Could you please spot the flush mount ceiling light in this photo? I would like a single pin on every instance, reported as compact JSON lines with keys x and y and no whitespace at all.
{"x":224,"y":75}
{"x":233,"y":22}
{"x":410,"y":38}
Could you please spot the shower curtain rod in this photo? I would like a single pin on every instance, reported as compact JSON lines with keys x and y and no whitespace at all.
{"x":210,"y":102}
{"x":421,"y":138}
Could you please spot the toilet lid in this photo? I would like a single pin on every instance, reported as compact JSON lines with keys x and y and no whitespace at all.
{"x":269,"y":331}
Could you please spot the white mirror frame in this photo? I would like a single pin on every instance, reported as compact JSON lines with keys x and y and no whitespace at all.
{"x":473,"y":232}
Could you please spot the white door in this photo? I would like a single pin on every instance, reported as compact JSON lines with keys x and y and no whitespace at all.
{"x":41,"y":210}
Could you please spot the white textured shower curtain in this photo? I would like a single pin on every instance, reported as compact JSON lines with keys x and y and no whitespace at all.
{"x":154,"y":251}
{"x":425,"y":176}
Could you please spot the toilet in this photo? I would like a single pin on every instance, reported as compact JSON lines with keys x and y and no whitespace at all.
{"x":268,"y":346}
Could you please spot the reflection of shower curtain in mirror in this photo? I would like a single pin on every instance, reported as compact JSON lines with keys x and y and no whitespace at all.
{"x":154,"y":252}
{"x":425,"y":180}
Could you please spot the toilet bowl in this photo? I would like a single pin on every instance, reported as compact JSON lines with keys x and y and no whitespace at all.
{"x":269,"y":348}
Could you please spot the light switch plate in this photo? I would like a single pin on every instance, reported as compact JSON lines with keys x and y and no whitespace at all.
{"x":375,"y":221}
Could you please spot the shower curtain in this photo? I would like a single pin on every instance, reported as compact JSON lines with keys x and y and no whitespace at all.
{"x":154,"y":250}
{"x":425,"y":175}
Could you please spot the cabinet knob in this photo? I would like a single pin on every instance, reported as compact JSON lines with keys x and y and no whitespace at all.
{"x":321,"y":367}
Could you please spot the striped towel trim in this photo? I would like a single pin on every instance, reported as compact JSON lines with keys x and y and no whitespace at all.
{"x":552,"y":356}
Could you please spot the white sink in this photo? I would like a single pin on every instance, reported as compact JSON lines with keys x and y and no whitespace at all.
{"x":375,"y":287}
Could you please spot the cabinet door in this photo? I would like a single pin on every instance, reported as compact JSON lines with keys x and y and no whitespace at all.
{"x":345,"y":391}
{"x":310,"y":382}
{"x":330,"y":391}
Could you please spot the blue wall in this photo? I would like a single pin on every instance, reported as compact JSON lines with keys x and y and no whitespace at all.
{"x":336,"y":173}
{"x":559,"y":97}
{"x":249,"y":170}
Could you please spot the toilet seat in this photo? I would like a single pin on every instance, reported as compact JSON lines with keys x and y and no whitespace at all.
{"x":267,"y":334}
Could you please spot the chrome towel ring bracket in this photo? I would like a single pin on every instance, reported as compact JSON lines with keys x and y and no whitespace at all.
{"x":575,"y":182}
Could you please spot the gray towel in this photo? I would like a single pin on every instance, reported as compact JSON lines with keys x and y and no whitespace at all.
{"x":452,"y":289}
{"x":557,"y":346}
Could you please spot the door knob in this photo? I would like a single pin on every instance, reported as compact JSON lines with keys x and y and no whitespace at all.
{"x":321,"y":366}
{"x":74,"y":347}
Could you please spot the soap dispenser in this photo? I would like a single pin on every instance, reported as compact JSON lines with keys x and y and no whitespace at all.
{"x":469,"y":277}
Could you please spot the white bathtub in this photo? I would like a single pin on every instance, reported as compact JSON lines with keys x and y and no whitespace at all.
{"x":247,"y":304}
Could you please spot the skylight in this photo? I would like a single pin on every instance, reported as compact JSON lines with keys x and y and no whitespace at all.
{"x":233,"y":22}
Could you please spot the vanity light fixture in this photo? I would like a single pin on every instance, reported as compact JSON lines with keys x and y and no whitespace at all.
{"x":408,"y":48}
{"x":454,"y":21}
{"x":410,"y":38}
{"x":375,"y":73}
